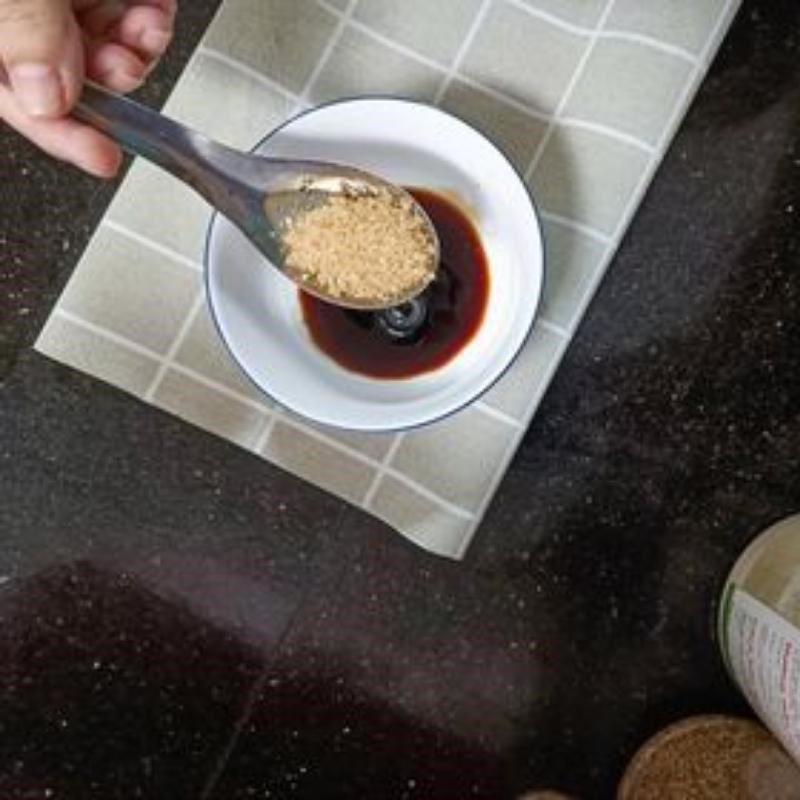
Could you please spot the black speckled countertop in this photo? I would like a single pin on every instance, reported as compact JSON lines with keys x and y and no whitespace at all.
{"x":178,"y":620}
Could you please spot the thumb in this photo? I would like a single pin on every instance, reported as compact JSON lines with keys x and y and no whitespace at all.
{"x":42,"y":52}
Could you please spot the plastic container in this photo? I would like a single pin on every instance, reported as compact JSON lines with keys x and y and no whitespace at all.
{"x":759,"y":629}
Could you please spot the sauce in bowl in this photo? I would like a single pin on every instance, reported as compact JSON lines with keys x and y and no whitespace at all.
{"x":454,"y":305}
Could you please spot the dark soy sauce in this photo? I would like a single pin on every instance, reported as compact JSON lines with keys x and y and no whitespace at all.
{"x":447,"y":316}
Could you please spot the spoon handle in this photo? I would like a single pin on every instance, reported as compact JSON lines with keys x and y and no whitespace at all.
{"x":221,"y":175}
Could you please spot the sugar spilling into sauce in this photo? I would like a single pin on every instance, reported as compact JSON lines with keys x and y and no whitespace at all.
{"x":364,"y":246}
{"x":456,"y":303}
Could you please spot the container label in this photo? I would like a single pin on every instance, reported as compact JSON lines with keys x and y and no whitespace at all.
{"x":763,"y":651}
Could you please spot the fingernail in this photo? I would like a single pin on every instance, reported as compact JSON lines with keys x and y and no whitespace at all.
{"x":38,"y":88}
{"x":155,"y":40}
{"x":121,"y":80}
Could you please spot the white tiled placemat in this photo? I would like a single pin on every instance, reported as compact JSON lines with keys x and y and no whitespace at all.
{"x":583,"y":95}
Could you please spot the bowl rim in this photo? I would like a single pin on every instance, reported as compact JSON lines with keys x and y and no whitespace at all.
{"x":455,"y":409}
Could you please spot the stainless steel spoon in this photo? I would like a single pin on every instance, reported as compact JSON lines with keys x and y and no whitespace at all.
{"x":259,"y":195}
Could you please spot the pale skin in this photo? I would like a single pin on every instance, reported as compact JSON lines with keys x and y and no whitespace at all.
{"x":49,"y":47}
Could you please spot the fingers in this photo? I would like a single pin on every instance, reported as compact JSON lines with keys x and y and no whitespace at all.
{"x":42,"y":54}
{"x":127,"y":49}
{"x":44,"y":50}
{"x":145,"y":29}
{"x":115,"y":66}
{"x":64,"y":138}
{"x":98,"y":17}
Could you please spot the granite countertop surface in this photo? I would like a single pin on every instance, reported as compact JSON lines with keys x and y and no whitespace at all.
{"x":178,"y":620}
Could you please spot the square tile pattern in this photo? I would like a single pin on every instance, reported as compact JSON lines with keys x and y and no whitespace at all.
{"x":132,"y":314}
{"x":525,"y":57}
{"x":446,"y":24}
{"x":642,"y":105}
{"x":360,"y":64}
{"x":585,"y":13}
{"x":589,"y":177}
{"x":283,"y":39}
{"x":683,"y":23}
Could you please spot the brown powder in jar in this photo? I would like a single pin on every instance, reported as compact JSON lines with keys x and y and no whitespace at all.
{"x":362,"y":246}
{"x":711,"y":758}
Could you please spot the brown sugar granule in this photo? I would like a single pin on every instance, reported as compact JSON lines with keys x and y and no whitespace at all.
{"x":364,"y":247}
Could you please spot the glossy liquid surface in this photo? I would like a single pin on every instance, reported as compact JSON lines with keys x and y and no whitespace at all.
{"x":456,"y":302}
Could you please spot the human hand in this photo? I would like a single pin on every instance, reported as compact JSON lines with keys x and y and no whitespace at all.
{"x":48,"y":47}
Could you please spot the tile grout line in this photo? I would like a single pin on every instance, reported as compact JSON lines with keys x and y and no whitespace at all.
{"x":220,"y":388}
{"x":398,"y":47}
{"x":151,"y":244}
{"x":128,"y":344}
{"x":266,"y":433}
{"x":240,"y":66}
{"x":506,"y":99}
{"x":462,"y":51}
{"x":320,"y":436}
{"x":491,"y":489}
{"x":109,"y":335}
{"x":181,"y":335}
{"x":429,"y":494}
{"x":553,"y":19}
{"x":497,"y":414}
{"x":580,"y":30}
{"x":413,"y":55}
{"x":566,"y":222}
{"x":649,"y":41}
{"x":591,"y":289}
{"x":369,"y":495}
{"x":553,"y":327}
{"x":267,"y":418}
{"x":605,"y":130}
{"x":221,"y":762}
{"x":573,"y":82}
{"x":344,"y":18}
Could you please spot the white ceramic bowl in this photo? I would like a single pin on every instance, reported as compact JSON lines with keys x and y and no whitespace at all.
{"x":256,"y":309}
